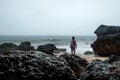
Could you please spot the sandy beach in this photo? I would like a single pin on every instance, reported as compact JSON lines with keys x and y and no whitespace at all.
{"x":90,"y":58}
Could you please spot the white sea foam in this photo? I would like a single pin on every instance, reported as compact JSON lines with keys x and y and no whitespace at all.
{"x":81,"y":48}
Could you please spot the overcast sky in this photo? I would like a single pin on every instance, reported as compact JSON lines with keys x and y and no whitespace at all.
{"x":56,"y":17}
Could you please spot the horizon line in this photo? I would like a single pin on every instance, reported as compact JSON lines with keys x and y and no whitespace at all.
{"x":48,"y":35}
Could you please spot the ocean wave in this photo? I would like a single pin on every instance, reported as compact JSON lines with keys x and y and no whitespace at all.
{"x":38,"y":40}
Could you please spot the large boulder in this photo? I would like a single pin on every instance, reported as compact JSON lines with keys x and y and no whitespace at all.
{"x":104,"y":30}
{"x":107,"y":45}
{"x":76,"y":63}
{"x":22,"y":65}
{"x":103,"y":70}
{"x":47,"y":48}
{"x":6,"y":47}
{"x":25,"y":46}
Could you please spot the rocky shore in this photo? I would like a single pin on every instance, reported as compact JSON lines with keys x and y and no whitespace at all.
{"x":29,"y":64}
{"x":103,"y":70}
{"x":47,"y":62}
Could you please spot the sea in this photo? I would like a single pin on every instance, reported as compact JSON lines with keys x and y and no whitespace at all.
{"x":60,"y":41}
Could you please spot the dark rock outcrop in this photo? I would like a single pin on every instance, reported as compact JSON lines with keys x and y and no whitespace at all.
{"x":25,"y":46}
{"x":21,"y":65}
{"x":104,"y":30}
{"x":107,"y":45}
{"x":103,"y":70}
{"x":113,"y":58}
{"x":76,"y":63}
{"x":47,"y":48}
{"x":6,"y":47}
{"x":60,"y":50}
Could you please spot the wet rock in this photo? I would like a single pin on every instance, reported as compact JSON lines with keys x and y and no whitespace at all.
{"x":47,"y":48}
{"x":104,"y":30}
{"x":22,"y":65}
{"x":103,"y":70}
{"x":25,"y":46}
{"x":60,"y":50}
{"x":107,"y":45}
{"x":76,"y":63}
{"x":88,"y":53}
{"x":113,"y":58}
{"x":7,"y":47}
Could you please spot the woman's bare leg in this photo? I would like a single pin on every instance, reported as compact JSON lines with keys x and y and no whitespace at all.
{"x":74,"y":52}
{"x":71,"y":51}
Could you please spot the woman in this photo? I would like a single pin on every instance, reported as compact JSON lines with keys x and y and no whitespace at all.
{"x":73,"y":46}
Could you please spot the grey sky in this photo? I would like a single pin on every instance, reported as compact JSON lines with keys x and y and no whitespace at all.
{"x":56,"y":17}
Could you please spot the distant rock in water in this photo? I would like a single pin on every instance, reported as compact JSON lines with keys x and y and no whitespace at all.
{"x":103,"y":70}
{"x":76,"y":63}
{"x":25,"y":46}
{"x":104,"y":30}
{"x":6,"y":47}
{"x":47,"y":48}
{"x":23,"y":65}
{"x":88,"y":53}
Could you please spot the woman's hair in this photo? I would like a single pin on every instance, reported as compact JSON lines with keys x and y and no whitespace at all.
{"x":73,"y":37}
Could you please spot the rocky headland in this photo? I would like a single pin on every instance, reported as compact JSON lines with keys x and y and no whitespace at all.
{"x":108,"y":40}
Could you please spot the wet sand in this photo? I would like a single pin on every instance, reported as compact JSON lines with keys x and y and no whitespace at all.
{"x":90,"y":58}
